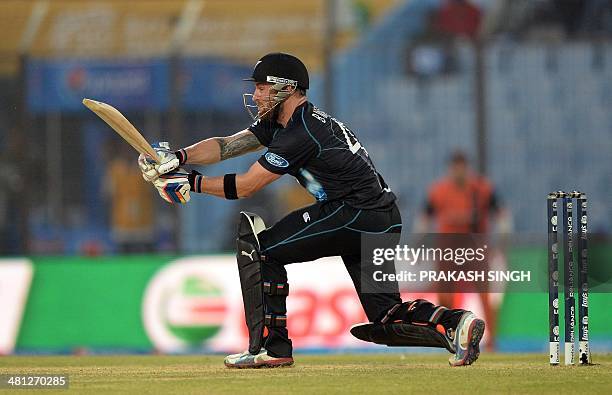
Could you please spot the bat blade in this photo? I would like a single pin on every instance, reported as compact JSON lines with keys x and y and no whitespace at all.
{"x":122,"y":126}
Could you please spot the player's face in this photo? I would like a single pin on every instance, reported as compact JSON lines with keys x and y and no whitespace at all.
{"x":459,"y":172}
{"x":263,"y":99}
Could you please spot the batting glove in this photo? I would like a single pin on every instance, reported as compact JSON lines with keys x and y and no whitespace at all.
{"x":169,"y":161}
{"x":173,"y":187}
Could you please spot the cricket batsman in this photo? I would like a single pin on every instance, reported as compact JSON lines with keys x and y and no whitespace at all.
{"x":352,"y":198}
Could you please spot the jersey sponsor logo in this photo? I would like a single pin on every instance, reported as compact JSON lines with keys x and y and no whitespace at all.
{"x":276,"y":160}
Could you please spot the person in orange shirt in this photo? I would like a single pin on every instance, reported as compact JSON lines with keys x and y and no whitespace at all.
{"x":131,"y":205}
{"x":462,"y":202}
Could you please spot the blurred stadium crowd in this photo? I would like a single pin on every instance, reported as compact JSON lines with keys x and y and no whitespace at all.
{"x":524,"y":87}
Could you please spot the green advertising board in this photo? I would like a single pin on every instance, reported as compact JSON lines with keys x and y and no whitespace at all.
{"x":87,"y":302}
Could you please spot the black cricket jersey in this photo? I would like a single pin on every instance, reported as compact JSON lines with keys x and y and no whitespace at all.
{"x":325,"y":156}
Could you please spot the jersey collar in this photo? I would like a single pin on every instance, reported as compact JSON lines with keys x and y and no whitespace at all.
{"x":297,"y":113}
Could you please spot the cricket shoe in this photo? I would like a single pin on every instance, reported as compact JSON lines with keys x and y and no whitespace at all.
{"x":468,"y":334}
{"x":246,"y":360}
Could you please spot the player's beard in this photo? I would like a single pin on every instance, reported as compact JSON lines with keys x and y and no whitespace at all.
{"x":270,"y":112}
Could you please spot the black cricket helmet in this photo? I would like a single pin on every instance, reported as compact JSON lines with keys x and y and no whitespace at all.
{"x":282,"y":70}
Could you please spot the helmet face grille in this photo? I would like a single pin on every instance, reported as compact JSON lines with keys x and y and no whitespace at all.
{"x":280,"y":96}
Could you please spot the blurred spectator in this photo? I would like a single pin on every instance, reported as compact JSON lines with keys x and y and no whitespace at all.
{"x":461,"y":203}
{"x":429,"y":54}
{"x":427,"y":60}
{"x":458,"y":18}
{"x":433,"y":52}
{"x":131,"y":203}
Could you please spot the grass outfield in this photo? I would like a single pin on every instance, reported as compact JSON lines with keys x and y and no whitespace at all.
{"x":372,"y":373}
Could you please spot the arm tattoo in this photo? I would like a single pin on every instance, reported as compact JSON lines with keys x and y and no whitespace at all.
{"x":238,"y":144}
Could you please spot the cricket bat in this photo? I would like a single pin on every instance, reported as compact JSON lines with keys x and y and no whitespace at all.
{"x":122,"y":126}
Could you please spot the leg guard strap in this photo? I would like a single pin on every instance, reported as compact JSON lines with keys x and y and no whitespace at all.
{"x":418,"y":312}
{"x":275,"y":289}
{"x":424,"y":311}
{"x":275,"y":321}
